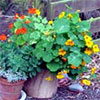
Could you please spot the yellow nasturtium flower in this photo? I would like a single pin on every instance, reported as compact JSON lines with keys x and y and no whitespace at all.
{"x":87,"y":38}
{"x":93,"y":70}
{"x":96,"y":48}
{"x":37,"y":12}
{"x":60,"y":76}
{"x":49,"y":78}
{"x":54,"y":36}
{"x":88,"y":51}
{"x":83,"y":33}
{"x":62,"y":14}
{"x":78,"y":11}
{"x":89,"y":44}
{"x":47,"y":33}
{"x":79,"y":20}
{"x":50,"y":22}
{"x":69,"y":16}
{"x":62,"y":52}
{"x":86,"y":82}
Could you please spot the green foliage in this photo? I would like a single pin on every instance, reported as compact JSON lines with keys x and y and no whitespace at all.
{"x":60,"y":45}
{"x":18,"y":59}
{"x":3,"y":4}
{"x":62,"y":25}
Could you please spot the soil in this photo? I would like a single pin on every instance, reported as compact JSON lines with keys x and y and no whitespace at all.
{"x":90,"y":93}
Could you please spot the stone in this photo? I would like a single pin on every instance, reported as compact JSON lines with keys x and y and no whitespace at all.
{"x":75,"y":87}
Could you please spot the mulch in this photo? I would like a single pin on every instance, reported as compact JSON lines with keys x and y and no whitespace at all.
{"x":90,"y":92}
{"x":63,"y":93}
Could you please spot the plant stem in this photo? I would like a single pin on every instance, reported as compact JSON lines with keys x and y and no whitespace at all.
{"x":93,"y":19}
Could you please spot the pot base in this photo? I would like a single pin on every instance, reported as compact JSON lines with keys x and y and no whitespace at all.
{"x":23,"y":95}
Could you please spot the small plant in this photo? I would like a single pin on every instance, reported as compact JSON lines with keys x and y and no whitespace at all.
{"x":17,"y":63}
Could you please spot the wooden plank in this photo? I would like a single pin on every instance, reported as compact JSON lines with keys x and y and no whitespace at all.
{"x":54,"y":8}
{"x":95,"y":26}
{"x":97,"y":41}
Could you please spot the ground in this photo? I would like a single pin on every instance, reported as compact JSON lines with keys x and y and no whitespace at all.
{"x":90,"y":93}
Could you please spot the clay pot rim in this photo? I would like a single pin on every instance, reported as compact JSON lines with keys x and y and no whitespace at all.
{"x":4,"y":81}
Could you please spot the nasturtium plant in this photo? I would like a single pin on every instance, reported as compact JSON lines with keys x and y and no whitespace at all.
{"x":75,"y":42}
{"x":63,"y":45}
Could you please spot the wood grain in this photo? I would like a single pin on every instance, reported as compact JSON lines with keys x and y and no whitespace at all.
{"x":54,"y":8}
{"x":38,"y":87}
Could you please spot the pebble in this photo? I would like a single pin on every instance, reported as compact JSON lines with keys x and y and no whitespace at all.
{"x":75,"y":87}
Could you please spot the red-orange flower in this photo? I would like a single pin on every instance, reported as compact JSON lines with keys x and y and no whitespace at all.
{"x":11,"y":25}
{"x":32,"y":10}
{"x":23,"y":30}
{"x":18,"y":31}
{"x":3,"y":37}
{"x":22,"y":17}
{"x":16,"y":16}
{"x":27,"y":22}
{"x":64,"y":59}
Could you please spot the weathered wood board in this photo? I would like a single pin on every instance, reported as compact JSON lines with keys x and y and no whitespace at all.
{"x":95,"y":26}
{"x":54,"y":8}
{"x":97,"y":41}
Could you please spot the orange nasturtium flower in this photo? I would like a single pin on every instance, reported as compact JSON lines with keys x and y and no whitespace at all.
{"x":32,"y":10}
{"x":16,"y":16}
{"x":69,"y":42}
{"x":22,"y":30}
{"x":3,"y":37}
{"x":22,"y":17}
{"x":83,"y":63}
{"x":11,"y":25}
{"x":88,"y":51}
{"x":18,"y":31}
{"x":73,"y":67}
{"x":62,"y":52}
{"x":27,"y":21}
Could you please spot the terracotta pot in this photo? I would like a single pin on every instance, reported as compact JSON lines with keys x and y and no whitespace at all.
{"x":38,"y":87}
{"x":10,"y":91}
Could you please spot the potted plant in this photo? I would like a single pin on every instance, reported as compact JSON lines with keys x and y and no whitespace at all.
{"x":16,"y":65}
{"x":64,"y":47}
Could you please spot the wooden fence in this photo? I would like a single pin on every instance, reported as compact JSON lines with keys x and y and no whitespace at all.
{"x":55,"y":7}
